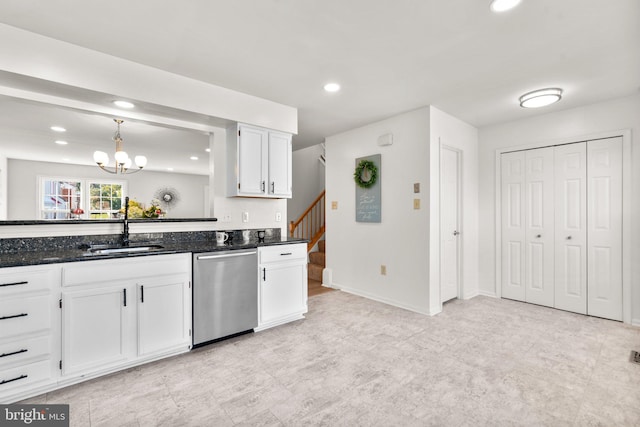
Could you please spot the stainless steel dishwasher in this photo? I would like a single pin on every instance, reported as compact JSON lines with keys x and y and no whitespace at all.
{"x":225,"y":294}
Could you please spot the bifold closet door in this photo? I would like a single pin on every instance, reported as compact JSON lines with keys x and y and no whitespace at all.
{"x":604,"y":222}
{"x":571,"y":227}
{"x":527,"y":226}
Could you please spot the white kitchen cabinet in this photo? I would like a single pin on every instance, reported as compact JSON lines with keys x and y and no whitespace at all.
{"x":259,"y":162}
{"x":163,"y":313}
{"x":95,"y":324}
{"x":123,"y":312}
{"x":29,"y":331}
{"x":282,"y":284}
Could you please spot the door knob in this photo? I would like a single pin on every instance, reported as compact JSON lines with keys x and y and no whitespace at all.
{"x":538,"y":236}
{"x":568,"y":237}
{"x":456,"y":232}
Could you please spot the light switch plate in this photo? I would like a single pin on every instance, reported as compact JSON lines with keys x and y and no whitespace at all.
{"x":416,"y":203}
{"x":334,"y":205}
{"x":278,"y":217}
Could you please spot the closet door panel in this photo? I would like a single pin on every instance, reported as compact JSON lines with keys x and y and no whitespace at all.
{"x":571,"y":227}
{"x":539,"y":227}
{"x":604,"y":213}
{"x":513,"y":225}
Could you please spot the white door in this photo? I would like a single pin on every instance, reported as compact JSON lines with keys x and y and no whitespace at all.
{"x":163,"y":315}
{"x":94,"y":327}
{"x":604,"y":219}
{"x":252,"y":163}
{"x":513,"y":225}
{"x":539,"y":226}
{"x":449,"y":224}
{"x":280,"y":162}
{"x":571,"y":227}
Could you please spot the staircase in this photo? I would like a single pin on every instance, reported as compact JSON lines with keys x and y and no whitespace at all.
{"x":317,"y":263}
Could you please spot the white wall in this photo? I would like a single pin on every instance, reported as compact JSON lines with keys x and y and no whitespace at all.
{"x":23,"y":185}
{"x":446,"y":130}
{"x":575,"y":123}
{"x":308,"y":180}
{"x":3,"y":188}
{"x":356,"y":250}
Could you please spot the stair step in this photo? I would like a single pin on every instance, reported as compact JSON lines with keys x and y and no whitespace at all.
{"x":315,"y":272}
{"x":321,"y":246}
{"x":318,"y":258}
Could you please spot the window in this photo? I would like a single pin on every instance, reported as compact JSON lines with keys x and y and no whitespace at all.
{"x":59,"y":197}
{"x":105,"y":200}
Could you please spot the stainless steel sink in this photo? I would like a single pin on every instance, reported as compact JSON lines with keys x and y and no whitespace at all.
{"x":123,"y":249}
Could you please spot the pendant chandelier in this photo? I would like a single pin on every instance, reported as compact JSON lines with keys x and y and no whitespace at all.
{"x":123,"y":162}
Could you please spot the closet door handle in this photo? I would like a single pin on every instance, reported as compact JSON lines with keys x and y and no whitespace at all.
{"x":456,"y":232}
{"x":538,"y":236}
{"x":568,"y":237}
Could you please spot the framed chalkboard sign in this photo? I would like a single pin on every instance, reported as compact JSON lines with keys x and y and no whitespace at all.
{"x":367,"y":179}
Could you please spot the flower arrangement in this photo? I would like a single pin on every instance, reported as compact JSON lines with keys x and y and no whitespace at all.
{"x":138,"y":210}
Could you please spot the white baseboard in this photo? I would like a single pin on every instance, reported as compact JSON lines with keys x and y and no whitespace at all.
{"x":383,"y":300}
{"x":488,"y":294}
{"x":635,"y":322}
{"x":470,"y":295}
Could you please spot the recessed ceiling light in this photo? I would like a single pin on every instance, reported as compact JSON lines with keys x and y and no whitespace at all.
{"x":58,"y":129}
{"x":170,"y":169}
{"x":60,"y":142}
{"x":65,"y":159}
{"x":208,"y":150}
{"x":193,"y":158}
{"x":540,"y":98}
{"x":332,"y":87}
{"x":503,"y":5}
{"x":124,"y":104}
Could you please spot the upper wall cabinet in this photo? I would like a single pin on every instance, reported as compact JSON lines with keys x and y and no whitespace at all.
{"x":259,"y":162}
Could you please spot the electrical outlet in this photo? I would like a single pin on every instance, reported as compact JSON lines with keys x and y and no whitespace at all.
{"x":416,"y":203}
{"x":226,"y":218}
{"x":245,"y":216}
{"x":383,"y":270}
{"x":416,"y":187}
{"x":334,"y":205}
{"x":278,"y":217}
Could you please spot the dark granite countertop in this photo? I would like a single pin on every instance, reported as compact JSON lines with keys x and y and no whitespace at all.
{"x":102,"y":221}
{"x":52,"y":256}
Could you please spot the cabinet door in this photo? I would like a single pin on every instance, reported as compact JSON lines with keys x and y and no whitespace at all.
{"x":252,"y":161}
{"x":282,"y":291}
{"x":95,"y":328}
{"x":163,"y":314}
{"x":280,"y":153}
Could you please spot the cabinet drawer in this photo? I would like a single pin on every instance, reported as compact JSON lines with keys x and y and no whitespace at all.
{"x":280,"y":253}
{"x":15,"y":352}
{"x":24,"y":315}
{"x":114,"y":270}
{"x":25,"y":279}
{"x":24,"y":375}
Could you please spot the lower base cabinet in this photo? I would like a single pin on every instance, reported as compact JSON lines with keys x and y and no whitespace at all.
{"x":124,"y":312}
{"x":282,"y":284}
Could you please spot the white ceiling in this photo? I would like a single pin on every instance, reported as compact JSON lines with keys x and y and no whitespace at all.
{"x":389,"y":56}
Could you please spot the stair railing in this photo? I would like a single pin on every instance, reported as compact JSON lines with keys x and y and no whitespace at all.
{"x":311,"y":224}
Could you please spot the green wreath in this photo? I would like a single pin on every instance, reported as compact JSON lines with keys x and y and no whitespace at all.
{"x":371,"y":170}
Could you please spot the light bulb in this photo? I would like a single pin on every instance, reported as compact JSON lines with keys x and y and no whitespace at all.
{"x":141,"y":161}
{"x":101,"y":158}
{"x":121,"y":156}
{"x":127,"y":163}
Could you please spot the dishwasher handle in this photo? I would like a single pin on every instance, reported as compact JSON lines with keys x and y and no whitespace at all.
{"x":204,"y":257}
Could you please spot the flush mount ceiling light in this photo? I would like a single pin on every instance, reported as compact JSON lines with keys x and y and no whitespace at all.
{"x":124,"y":104}
{"x":503,"y":5}
{"x":540,"y":98}
{"x":58,"y":129}
{"x":123,"y":162}
{"x":332,"y":87}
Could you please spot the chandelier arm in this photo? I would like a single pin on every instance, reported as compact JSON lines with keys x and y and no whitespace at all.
{"x":105,"y":169}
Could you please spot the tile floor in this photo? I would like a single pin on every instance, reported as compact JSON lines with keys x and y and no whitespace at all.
{"x":358,"y":362}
